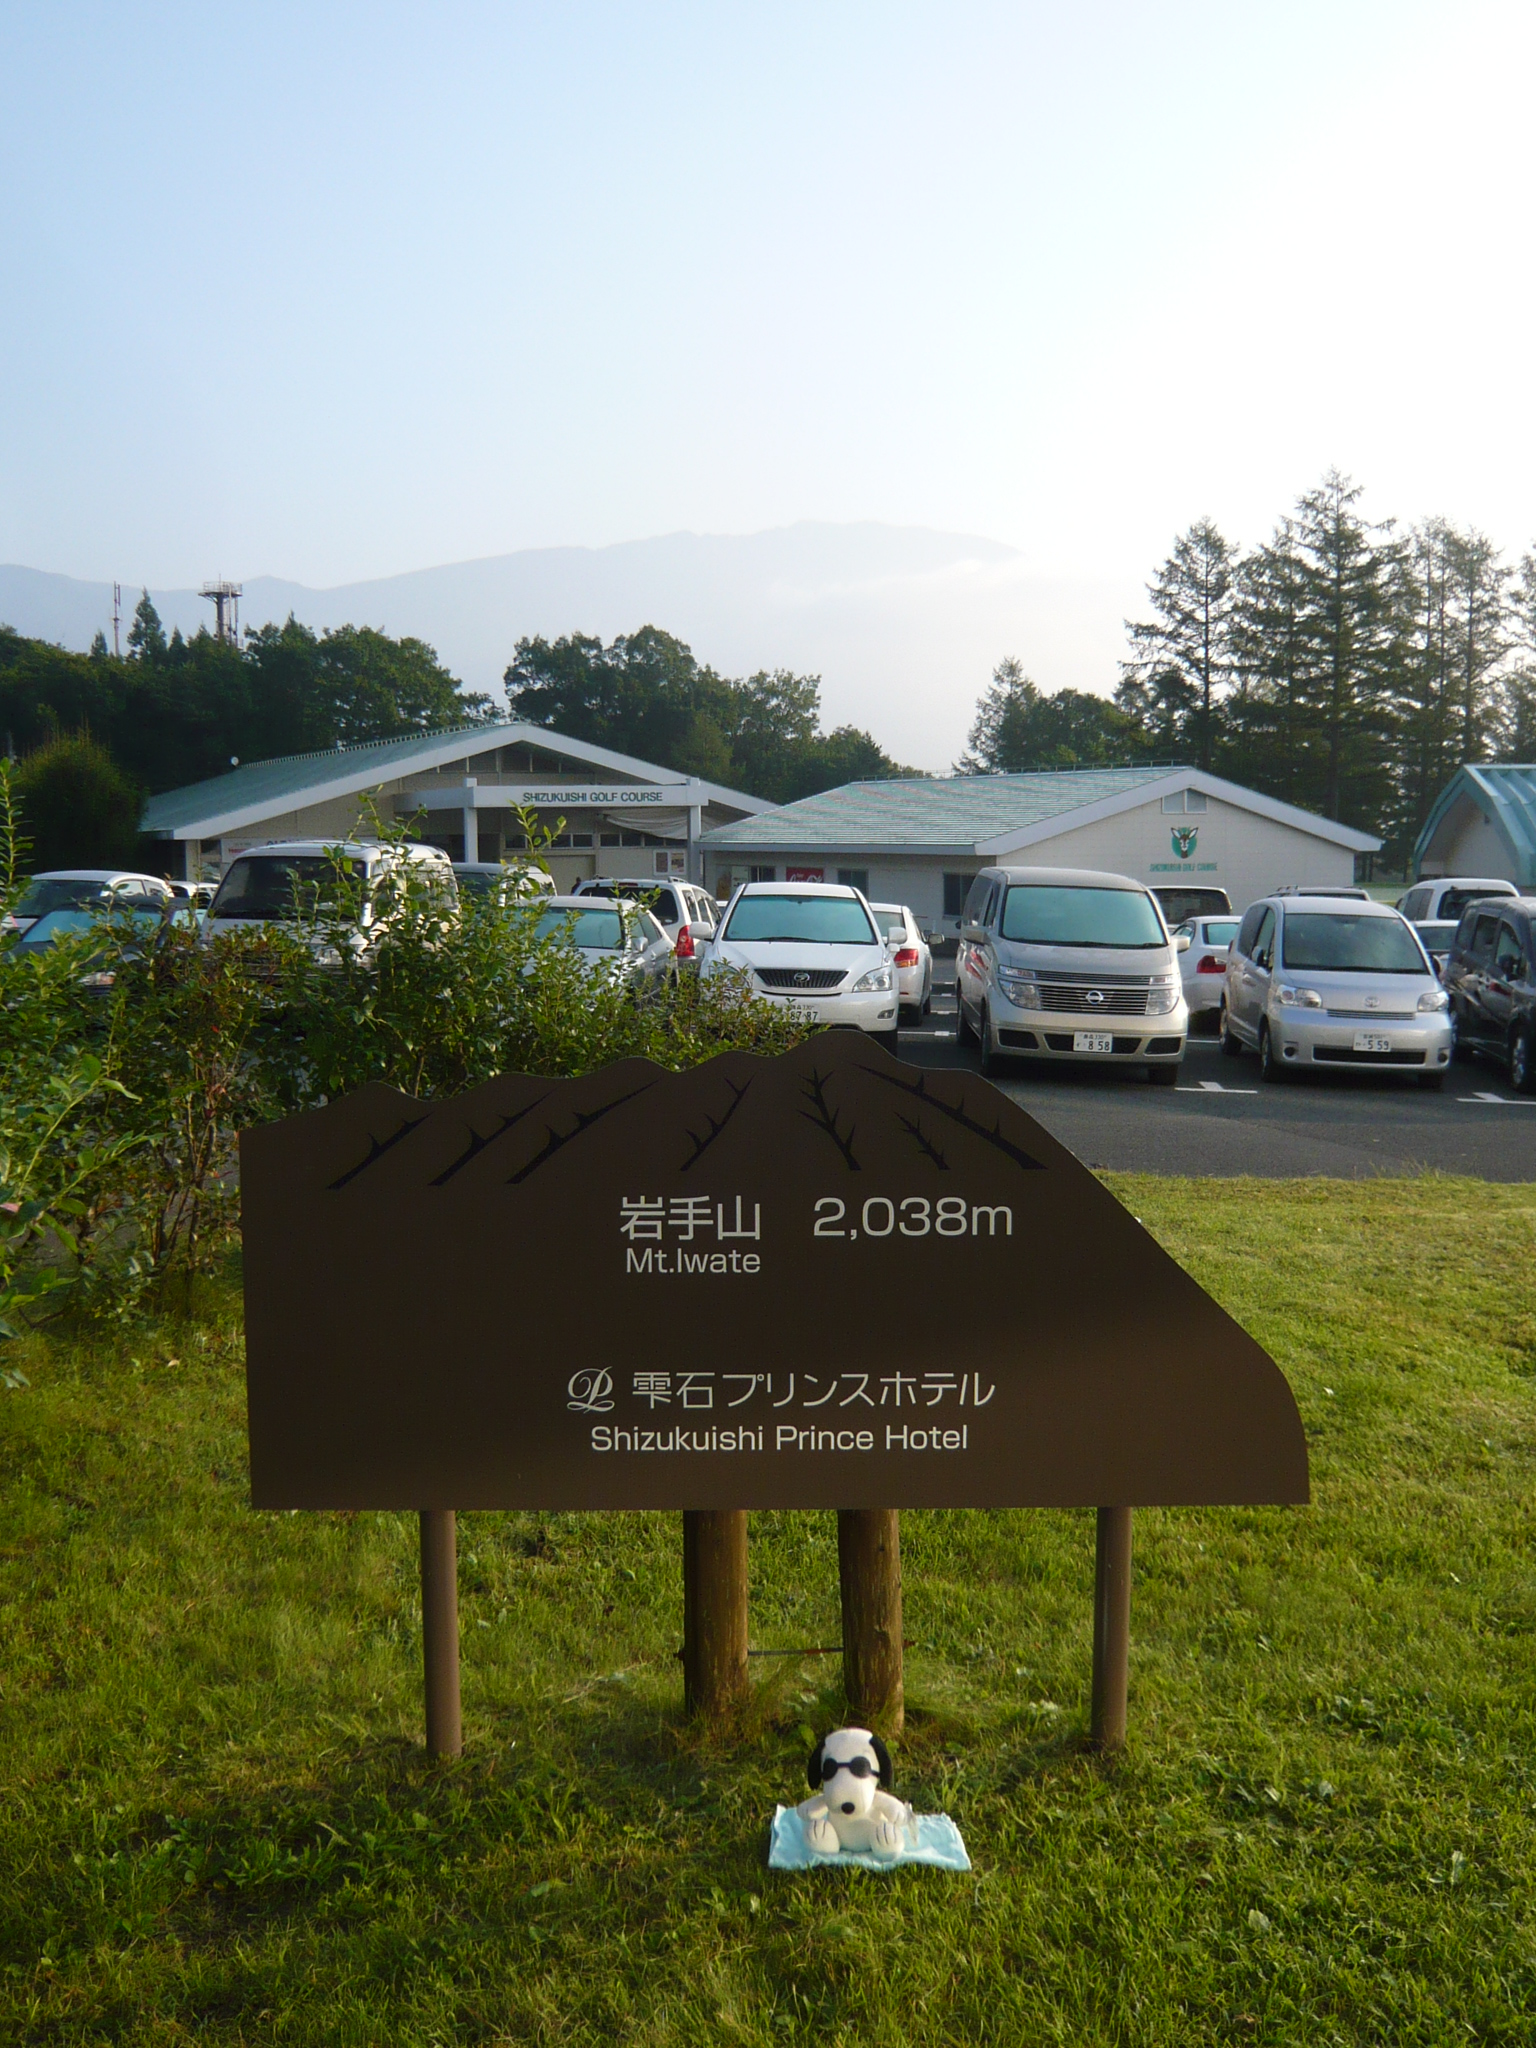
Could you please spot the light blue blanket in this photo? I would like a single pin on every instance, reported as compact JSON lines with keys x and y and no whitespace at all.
{"x":937,"y":1842}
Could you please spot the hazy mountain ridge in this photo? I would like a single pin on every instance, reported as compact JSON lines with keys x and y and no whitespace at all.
{"x":904,"y":624}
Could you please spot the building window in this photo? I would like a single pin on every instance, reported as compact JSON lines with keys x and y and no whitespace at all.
{"x":1186,"y":800}
{"x":854,"y":878}
{"x":762,"y":874}
{"x":609,"y":839}
{"x":955,"y":887}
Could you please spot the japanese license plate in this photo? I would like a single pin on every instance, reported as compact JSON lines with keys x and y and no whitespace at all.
{"x":1372,"y":1041}
{"x":1092,"y":1041}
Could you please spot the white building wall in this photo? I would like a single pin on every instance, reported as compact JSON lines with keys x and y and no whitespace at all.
{"x":1234,"y":849}
{"x":1237,"y":850}
{"x":1468,"y":844}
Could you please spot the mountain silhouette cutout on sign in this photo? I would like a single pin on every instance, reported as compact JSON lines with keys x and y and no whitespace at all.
{"x":823,"y":1280}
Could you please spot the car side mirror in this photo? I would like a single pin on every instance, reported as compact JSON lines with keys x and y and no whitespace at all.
{"x":1182,"y":942}
{"x":973,"y":933}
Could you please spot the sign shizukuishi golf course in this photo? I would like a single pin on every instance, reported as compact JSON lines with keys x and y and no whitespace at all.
{"x":826,"y":1280}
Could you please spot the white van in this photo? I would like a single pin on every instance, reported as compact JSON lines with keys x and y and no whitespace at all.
{"x":264,"y":885}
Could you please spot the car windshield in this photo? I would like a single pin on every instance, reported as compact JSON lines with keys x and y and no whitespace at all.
{"x":1038,"y":914}
{"x":892,"y":923}
{"x":276,"y":884}
{"x":38,"y":898}
{"x":593,"y":930}
{"x":1364,"y":945}
{"x":1220,"y":931}
{"x":479,"y":881}
{"x":801,"y":920}
{"x":54,"y":924}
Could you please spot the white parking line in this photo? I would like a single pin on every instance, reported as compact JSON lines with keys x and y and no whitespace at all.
{"x":1212,"y":1088}
{"x":1504,"y":1101}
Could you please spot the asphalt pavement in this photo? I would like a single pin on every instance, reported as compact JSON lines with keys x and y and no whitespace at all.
{"x":1222,"y":1120}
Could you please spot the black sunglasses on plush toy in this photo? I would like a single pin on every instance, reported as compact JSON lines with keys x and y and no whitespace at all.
{"x":855,"y":1766}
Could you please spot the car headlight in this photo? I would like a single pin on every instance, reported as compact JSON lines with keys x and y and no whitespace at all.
{"x":1434,"y":999}
{"x":1298,"y":998}
{"x":1161,"y":1000}
{"x":878,"y":978}
{"x":1022,"y":989}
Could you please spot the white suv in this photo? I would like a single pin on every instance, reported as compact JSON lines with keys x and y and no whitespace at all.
{"x":815,"y":946}
{"x":674,"y":905}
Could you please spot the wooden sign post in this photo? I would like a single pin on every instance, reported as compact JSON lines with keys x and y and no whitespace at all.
{"x":642,"y":1289}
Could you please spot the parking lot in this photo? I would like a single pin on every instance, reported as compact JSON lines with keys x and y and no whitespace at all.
{"x":1222,"y":1120}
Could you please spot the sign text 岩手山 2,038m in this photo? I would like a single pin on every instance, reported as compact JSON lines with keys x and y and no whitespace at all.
{"x":825,"y":1280}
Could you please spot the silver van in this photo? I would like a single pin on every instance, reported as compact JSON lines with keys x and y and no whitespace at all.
{"x":1069,"y":964}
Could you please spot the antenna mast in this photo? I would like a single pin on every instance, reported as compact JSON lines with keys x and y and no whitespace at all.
{"x":226,"y":604}
{"x":117,"y":620}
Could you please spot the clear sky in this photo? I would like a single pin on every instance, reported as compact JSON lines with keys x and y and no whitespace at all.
{"x":331,"y":291}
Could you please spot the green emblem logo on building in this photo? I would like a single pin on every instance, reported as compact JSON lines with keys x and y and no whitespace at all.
{"x":1185,"y":838}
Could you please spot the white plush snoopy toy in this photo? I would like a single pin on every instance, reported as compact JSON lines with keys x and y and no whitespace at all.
{"x":853,"y":1807}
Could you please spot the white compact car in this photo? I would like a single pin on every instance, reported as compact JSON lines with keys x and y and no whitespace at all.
{"x":812,"y":945}
{"x":911,"y":959}
{"x":1203,"y":962}
{"x":86,"y":889}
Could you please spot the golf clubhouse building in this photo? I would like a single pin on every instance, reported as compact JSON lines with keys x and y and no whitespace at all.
{"x":615,"y":815}
{"x":920,"y":842}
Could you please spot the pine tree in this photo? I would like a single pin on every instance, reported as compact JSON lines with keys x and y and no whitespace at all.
{"x":1183,"y":657}
{"x":1266,"y":739}
{"x":146,"y":636}
{"x":1479,"y":605}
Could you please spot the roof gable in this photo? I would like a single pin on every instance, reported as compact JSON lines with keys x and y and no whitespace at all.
{"x":261,"y":789}
{"x":1505,"y":793}
{"x":990,"y":816}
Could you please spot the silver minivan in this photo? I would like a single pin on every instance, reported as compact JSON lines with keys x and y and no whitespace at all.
{"x":1069,"y":964}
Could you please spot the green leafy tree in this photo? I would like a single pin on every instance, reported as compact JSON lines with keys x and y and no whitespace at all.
{"x":645,"y":694}
{"x":178,"y":715}
{"x":77,"y":806}
{"x":1019,"y":727}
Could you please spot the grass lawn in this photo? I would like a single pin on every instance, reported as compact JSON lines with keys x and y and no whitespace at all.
{"x":218,"y":1825}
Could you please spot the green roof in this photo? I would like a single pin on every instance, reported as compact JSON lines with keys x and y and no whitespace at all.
{"x":292,"y":781}
{"x":1505,"y":793}
{"x":267,"y":783}
{"x":948,"y":810}
{"x":989,"y":815}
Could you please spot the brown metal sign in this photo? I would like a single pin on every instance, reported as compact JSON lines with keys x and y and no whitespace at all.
{"x":823,"y":1280}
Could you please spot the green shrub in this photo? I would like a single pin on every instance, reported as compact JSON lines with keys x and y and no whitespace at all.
{"x":78,"y":808}
{"x":131,"y":1058}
